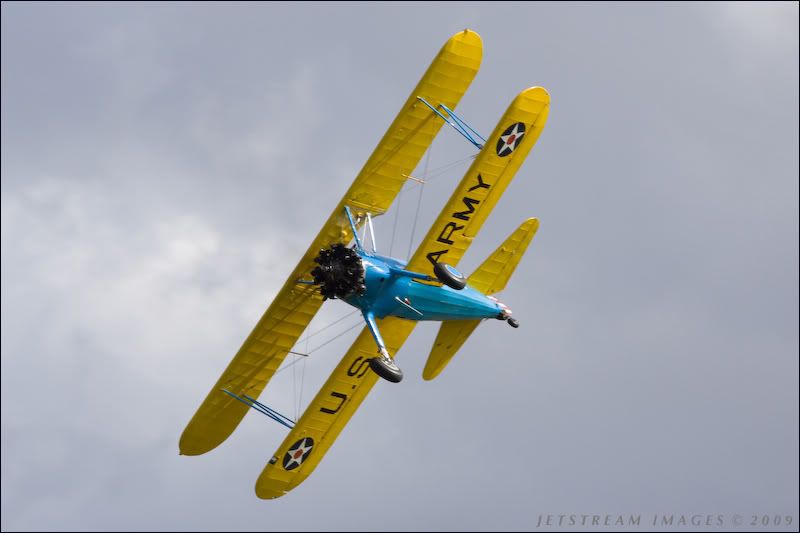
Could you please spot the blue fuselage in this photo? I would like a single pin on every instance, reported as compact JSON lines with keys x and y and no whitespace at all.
{"x":393,"y":291}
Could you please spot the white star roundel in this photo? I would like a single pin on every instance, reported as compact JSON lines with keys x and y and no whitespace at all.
{"x":298,"y":453}
{"x":510,"y":138}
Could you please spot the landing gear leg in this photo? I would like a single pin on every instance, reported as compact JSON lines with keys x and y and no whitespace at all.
{"x":383,"y":365}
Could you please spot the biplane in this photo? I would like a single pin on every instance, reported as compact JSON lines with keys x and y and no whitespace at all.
{"x":392,"y":295}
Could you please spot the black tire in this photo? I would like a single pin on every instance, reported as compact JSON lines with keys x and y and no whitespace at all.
{"x":395,"y":375}
{"x":449,"y":276}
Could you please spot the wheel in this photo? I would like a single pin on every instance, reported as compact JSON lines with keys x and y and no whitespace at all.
{"x":386,"y":369}
{"x":513,"y":322}
{"x":449,"y":276}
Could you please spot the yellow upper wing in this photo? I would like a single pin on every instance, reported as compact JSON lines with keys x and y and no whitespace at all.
{"x":351,"y":380}
{"x":373,"y":191}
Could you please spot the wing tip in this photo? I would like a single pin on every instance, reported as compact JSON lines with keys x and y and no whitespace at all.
{"x":537,"y":93}
{"x":269,"y":494}
{"x":532,"y":223}
{"x":190,"y":445}
{"x":467,"y":41}
{"x":468,"y":33}
{"x":430,"y":373}
{"x":269,"y":488}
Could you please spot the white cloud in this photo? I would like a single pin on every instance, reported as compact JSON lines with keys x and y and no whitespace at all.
{"x":769,"y":24}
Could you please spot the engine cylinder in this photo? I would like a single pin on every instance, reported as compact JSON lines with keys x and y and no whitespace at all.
{"x":340,"y":272}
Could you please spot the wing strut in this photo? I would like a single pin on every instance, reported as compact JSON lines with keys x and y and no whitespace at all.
{"x":383,"y":365}
{"x":353,"y":227}
{"x":263,"y":409}
{"x":457,"y":123}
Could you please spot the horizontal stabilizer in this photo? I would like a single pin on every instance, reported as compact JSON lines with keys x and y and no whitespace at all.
{"x":451,"y":336}
{"x":493,"y":275}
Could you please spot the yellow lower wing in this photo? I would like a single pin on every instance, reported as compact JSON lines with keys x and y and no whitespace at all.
{"x":484,"y":182}
{"x":329,"y":411}
{"x":373,"y":191}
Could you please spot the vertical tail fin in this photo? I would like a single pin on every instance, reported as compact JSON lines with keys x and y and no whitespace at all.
{"x":491,"y":277}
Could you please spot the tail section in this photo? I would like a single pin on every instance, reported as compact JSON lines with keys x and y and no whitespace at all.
{"x":491,"y":277}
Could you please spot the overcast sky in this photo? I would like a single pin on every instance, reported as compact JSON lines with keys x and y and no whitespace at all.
{"x":165,"y":166}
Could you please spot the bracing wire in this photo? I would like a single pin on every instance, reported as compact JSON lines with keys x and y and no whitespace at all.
{"x":305,"y":339}
{"x":303,"y":356}
{"x":431,"y":175}
{"x":303,"y":375}
{"x":428,"y":175}
{"x":299,"y":398}
{"x":444,"y":169}
{"x":438,"y":171}
{"x":321,"y":345}
{"x":302,"y":380}
{"x":396,"y":216}
{"x":336,"y":337}
{"x":419,"y":202}
{"x":294,"y":386}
